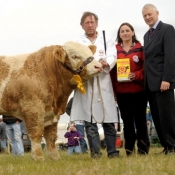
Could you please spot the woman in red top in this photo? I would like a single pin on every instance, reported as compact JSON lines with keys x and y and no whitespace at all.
{"x":131,"y":97}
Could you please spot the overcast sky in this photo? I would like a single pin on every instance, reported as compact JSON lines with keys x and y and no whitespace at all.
{"x":28,"y":25}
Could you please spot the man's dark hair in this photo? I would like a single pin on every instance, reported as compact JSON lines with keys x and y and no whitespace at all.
{"x":85,"y":14}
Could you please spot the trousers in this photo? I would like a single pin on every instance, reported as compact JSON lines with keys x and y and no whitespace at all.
{"x":133,"y":113}
{"x":13,"y":132}
{"x":94,"y":138}
{"x":83,"y":144}
{"x":162,"y":105}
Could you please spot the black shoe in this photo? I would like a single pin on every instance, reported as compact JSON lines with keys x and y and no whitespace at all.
{"x":141,"y":152}
{"x":162,"y":152}
{"x":96,"y":155}
{"x":114,"y":154}
{"x":85,"y":152}
{"x":129,"y":153}
{"x":169,"y":151}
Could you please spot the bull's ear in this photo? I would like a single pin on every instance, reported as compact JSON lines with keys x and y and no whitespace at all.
{"x":60,"y":54}
{"x":92,"y":48}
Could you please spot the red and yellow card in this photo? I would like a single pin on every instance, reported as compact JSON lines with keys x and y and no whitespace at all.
{"x":123,"y":69}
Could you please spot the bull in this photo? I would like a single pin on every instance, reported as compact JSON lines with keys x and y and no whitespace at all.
{"x":35,"y":88}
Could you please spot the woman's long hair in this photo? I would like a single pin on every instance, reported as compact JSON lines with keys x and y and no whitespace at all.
{"x":134,"y":38}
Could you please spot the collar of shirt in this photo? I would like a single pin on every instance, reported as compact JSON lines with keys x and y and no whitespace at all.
{"x":155,"y":25}
{"x":133,"y":44}
{"x":94,"y":38}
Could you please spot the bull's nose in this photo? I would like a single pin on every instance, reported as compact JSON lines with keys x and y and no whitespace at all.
{"x":99,"y":69}
{"x":100,"y":65}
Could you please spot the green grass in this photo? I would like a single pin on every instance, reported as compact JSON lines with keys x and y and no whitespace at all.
{"x":84,"y":165}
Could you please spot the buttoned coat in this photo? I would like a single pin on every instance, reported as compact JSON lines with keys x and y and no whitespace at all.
{"x":159,"y":52}
{"x":98,"y":102}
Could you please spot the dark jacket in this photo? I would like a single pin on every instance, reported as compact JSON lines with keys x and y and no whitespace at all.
{"x":159,"y":52}
{"x":10,"y":119}
{"x":70,"y":135}
{"x":69,"y":106}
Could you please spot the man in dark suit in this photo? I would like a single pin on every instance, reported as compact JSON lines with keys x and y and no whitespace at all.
{"x":159,"y":70}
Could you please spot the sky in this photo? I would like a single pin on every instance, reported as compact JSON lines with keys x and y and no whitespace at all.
{"x":26,"y":26}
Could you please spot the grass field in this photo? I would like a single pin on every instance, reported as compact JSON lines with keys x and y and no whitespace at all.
{"x":84,"y":165}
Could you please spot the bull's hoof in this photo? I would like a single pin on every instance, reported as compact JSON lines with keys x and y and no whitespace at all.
{"x":37,"y":157}
{"x":54,"y":155}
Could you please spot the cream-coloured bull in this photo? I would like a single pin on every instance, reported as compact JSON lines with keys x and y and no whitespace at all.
{"x":35,"y":88}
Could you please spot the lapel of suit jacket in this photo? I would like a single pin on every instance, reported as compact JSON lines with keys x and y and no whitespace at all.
{"x":146,"y":39}
{"x":156,"y":32}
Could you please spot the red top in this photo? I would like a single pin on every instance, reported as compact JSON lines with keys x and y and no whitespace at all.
{"x":136,"y":56}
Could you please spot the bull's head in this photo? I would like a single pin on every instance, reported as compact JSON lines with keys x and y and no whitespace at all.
{"x":80,"y":59}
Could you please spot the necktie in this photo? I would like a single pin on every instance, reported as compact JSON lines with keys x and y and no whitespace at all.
{"x":151,"y":33}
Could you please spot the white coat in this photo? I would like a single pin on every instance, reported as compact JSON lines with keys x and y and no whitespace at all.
{"x":98,"y":104}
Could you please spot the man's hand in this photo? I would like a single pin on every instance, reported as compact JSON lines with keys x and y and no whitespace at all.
{"x":116,"y":126}
{"x":164,"y":86}
{"x":103,"y":62}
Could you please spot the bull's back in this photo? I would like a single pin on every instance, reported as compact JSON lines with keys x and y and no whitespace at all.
{"x":9,"y":66}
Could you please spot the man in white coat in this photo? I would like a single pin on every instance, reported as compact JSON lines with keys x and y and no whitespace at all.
{"x":98,"y":104}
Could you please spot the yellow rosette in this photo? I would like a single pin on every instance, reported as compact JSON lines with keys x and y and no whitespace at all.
{"x":80,"y":85}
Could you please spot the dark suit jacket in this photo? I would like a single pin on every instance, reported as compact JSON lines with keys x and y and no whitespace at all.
{"x":69,"y":106}
{"x":10,"y":119}
{"x":159,"y":64}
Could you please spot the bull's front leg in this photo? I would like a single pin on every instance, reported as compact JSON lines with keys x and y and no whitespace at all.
{"x":34,"y":119}
{"x":35,"y":132}
{"x":50,"y":135}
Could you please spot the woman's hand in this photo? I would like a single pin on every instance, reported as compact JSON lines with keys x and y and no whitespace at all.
{"x":131,"y":76}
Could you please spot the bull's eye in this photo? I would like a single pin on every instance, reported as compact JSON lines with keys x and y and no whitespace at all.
{"x":73,"y":56}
